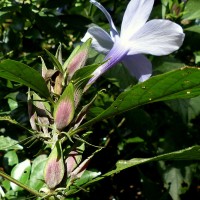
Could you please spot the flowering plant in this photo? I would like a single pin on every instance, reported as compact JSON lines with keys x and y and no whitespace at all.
{"x":74,"y":112}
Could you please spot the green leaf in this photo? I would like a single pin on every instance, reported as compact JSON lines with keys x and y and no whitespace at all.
{"x":134,"y":140}
{"x":11,"y":158}
{"x":192,"y":10}
{"x":195,"y":28}
{"x":197,"y":55}
{"x":181,"y":83}
{"x":85,"y":72}
{"x":86,"y":177}
{"x":174,"y":178}
{"x":36,"y":179}
{"x":21,"y":173}
{"x":37,"y":161}
{"x":165,"y":64}
{"x":187,"y":108}
{"x":21,"y":73}
{"x":191,"y":153}
{"x":55,"y":61}
{"x":83,"y":75}
{"x":59,"y":54}
{"x":12,"y":121}
{"x":194,"y":109}
{"x":6,"y":184}
{"x":12,"y":104}
{"x":6,"y":143}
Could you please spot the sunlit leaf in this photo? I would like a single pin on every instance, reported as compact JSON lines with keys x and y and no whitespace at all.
{"x":36,"y":178}
{"x":21,"y":173}
{"x":195,"y":28}
{"x":21,"y":73}
{"x":192,"y":10}
{"x":8,"y":143}
{"x":85,"y":178}
{"x":181,"y":83}
{"x":11,"y":158}
{"x":197,"y":55}
{"x":59,"y":54}
{"x":55,"y":61}
{"x":85,"y":72}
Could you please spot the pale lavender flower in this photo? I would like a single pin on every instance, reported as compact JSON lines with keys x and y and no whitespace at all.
{"x":137,"y":37}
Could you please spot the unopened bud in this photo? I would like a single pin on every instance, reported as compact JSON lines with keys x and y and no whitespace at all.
{"x":74,"y":158}
{"x":71,"y":162}
{"x":54,"y":168}
{"x":78,"y":172}
{"x":64,"y":108}
{"x":77,"y":59}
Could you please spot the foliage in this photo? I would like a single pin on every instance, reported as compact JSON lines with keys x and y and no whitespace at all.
{"x":121,"y":139}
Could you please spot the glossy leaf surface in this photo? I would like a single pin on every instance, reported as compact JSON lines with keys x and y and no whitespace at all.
{"x":181,"y":83}
{"x":21,"y":73}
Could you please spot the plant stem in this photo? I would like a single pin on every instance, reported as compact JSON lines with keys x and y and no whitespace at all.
{"x":6,"y":176}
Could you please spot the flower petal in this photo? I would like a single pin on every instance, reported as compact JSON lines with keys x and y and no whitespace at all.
{"x":115,"y":55}
{"x":113,"y":30}
{"x":138,"y":66}
{"x":101,"y":40}
{"x":157,"y":37}
{"x":135,"y":16}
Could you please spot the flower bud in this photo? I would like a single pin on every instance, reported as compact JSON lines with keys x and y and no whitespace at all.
{"x":64,"y":108}
{"x":54,"y":169}
{"x":78,"y":172}
{"x":74,"y":158}
{"x":72,"y":161}
{"x":77,"y":59}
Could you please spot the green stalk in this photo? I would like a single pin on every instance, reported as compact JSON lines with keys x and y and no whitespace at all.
{"x":51,"y":100}
{"x":34,"y":192}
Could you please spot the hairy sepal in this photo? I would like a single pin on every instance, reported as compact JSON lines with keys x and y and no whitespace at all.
{"x":64,"y":108}
{"x":54,"y":169}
